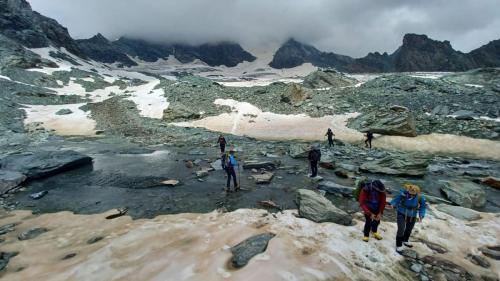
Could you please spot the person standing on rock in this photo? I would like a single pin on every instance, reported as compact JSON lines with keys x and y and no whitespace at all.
{"x":230,"y":166}
{"x":372,"y":200}
{"x":411,"y":206}
{"x":222,"y":143}
{"x":314,"y":157}
{"x":330,"y":136}
{"x":369,"y":138}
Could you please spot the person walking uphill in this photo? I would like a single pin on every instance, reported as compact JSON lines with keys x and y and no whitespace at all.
{"x":330,"y":136}
{"x":314,"y":157}
{"x":222,"y":143}
{"x":372,"y":200}
{"x":230,"y":165}
{"x":369,"y":138}
{"x":410,"y":204}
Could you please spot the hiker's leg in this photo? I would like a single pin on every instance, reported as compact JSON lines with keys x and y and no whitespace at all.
{"x":234,"y":178}
{"x":401,"y":229}
{"x":370,"y":142}
{"x":366,"y":143}
{"x":222,"y":147}
{"x":410,"y":223}
{"x":314,"y":168}
{"x":228,"y":184}
{"x":368,"y":223}
{"x":375,"y":225}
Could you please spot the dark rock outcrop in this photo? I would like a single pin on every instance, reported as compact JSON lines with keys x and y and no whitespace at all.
{"x":327,"y":78}
{"x":42,"y":164}
{"x":246,"y":250}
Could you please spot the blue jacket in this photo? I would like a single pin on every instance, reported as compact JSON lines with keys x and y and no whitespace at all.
{"x":232,"y":161}
{"x":408,"y":206}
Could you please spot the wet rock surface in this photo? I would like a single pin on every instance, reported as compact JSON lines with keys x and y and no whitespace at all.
{"x":465,"y":194}
{"x":10,"y":179}
{"x":459,"y":212}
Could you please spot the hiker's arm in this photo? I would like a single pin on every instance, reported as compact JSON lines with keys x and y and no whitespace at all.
{"x":362,"y":202}
{"x":423,"y":207}
{"x":396,"y":200}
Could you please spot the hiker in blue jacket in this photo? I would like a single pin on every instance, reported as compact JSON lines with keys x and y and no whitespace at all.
{"x":410,"y":205}
{"x":230,"y":164}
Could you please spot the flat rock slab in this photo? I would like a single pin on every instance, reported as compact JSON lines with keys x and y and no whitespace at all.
{"x":42,"y":164}
{"x":32,"y":233}
{"x":263,"y":178}
{"x":317,"y":208}
{"x":334,"y":188}
{"x":491,"y":252}
{"x":298,"y":150}
{"x":397,"y":166}
{"x":259,"y":165}
{"x":464,"y":193}
{"x":459,"y":212}
{"x":246,"y":250}
{"x":9,"y":180}
{"x":171,"y":182}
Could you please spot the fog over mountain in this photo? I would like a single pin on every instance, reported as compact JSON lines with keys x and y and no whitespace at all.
{"x":353,"y":27}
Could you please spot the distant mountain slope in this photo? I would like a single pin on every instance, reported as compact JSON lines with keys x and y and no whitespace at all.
{"x":21,"y":24}
{"x":100,"y":49}
{"x":417,"y":53}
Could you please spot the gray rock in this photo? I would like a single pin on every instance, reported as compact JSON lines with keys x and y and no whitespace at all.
{"x":434,"y":246}
{"x":64,"y":111}
{"x":246,"y":250}
{"x":416,"y":267}
{"x":441,"y":110}
{"x":299,"y":150}
{"x":464,"y":115}
{"x":4,"y":229}
{"x":317,"y":208}
{"x":38,"y":195}
{"x":464,"y":193}
{"x":479,"y":260}
{"x":327,"y":78}
{"x":202,"y":173}
{"x":9,"y":180}
{"x":459,"y":212}
{"x":217,"y":165}
{"x":349,"y":167}
{"x":5,"y":257}
{"x":263,"y":178}
{"x":32,"y":233}
{"x":334,"y":188}
{"x":94,"y":239}
{"x":294,"y":94}
{"x":397,"y":166}
{"x":42,"y":164}
{"x":491,"y":252}
{"x":397,"y":121}
{"x":249,"y":165}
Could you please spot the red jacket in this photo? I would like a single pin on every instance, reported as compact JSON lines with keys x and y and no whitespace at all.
{"x":363,"y":197}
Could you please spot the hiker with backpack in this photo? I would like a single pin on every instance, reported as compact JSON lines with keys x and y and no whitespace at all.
{"x":330,"y":136}
{"x":410,"y":206}
{"x":314,"y":157}
{"x":230,"y":164}
{"x":222,"y":143}
{"x":372,"y":196}
{"x":369,"y":138}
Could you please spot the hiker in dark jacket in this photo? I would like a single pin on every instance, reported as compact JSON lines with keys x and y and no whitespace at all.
{"x":411,"y":206}
{"x":372,"y":201}
{"x":369,"y":138}
{"x":230,"y":166}
{"x":330,"y":136}
{"x":314,"y":157}
{"x":222,"y":143}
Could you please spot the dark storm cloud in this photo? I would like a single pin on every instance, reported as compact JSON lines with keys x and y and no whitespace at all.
{"x":352,"y":27}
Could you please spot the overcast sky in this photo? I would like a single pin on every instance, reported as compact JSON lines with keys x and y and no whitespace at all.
{"x":351,"y":27}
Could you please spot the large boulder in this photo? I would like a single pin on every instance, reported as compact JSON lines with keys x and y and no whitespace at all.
{"x":294,"y":94}
{"x":327,"y":78}
{"x":397,"y":166}
{"x":179,"y":112}
{"x":317,"y":208}
{"x":9,"y":180}
{"x":335,"y":188}
{"x":246,"y":250}
{"x":42,"y":164}
{"x":298,"y":150}
{"x":464,"y":193}
{"x":459,"y":212}
{"x":396,"y":121}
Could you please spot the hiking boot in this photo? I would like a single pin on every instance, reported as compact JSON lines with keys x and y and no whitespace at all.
{"x":399,"y":249}
{"x":377,"y":235}
{"x":408,"y":244}
{"x":237,"y":188}
{"x":365,"y":238}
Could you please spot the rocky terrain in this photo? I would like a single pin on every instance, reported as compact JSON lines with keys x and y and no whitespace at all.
{"x":115,"y":174}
